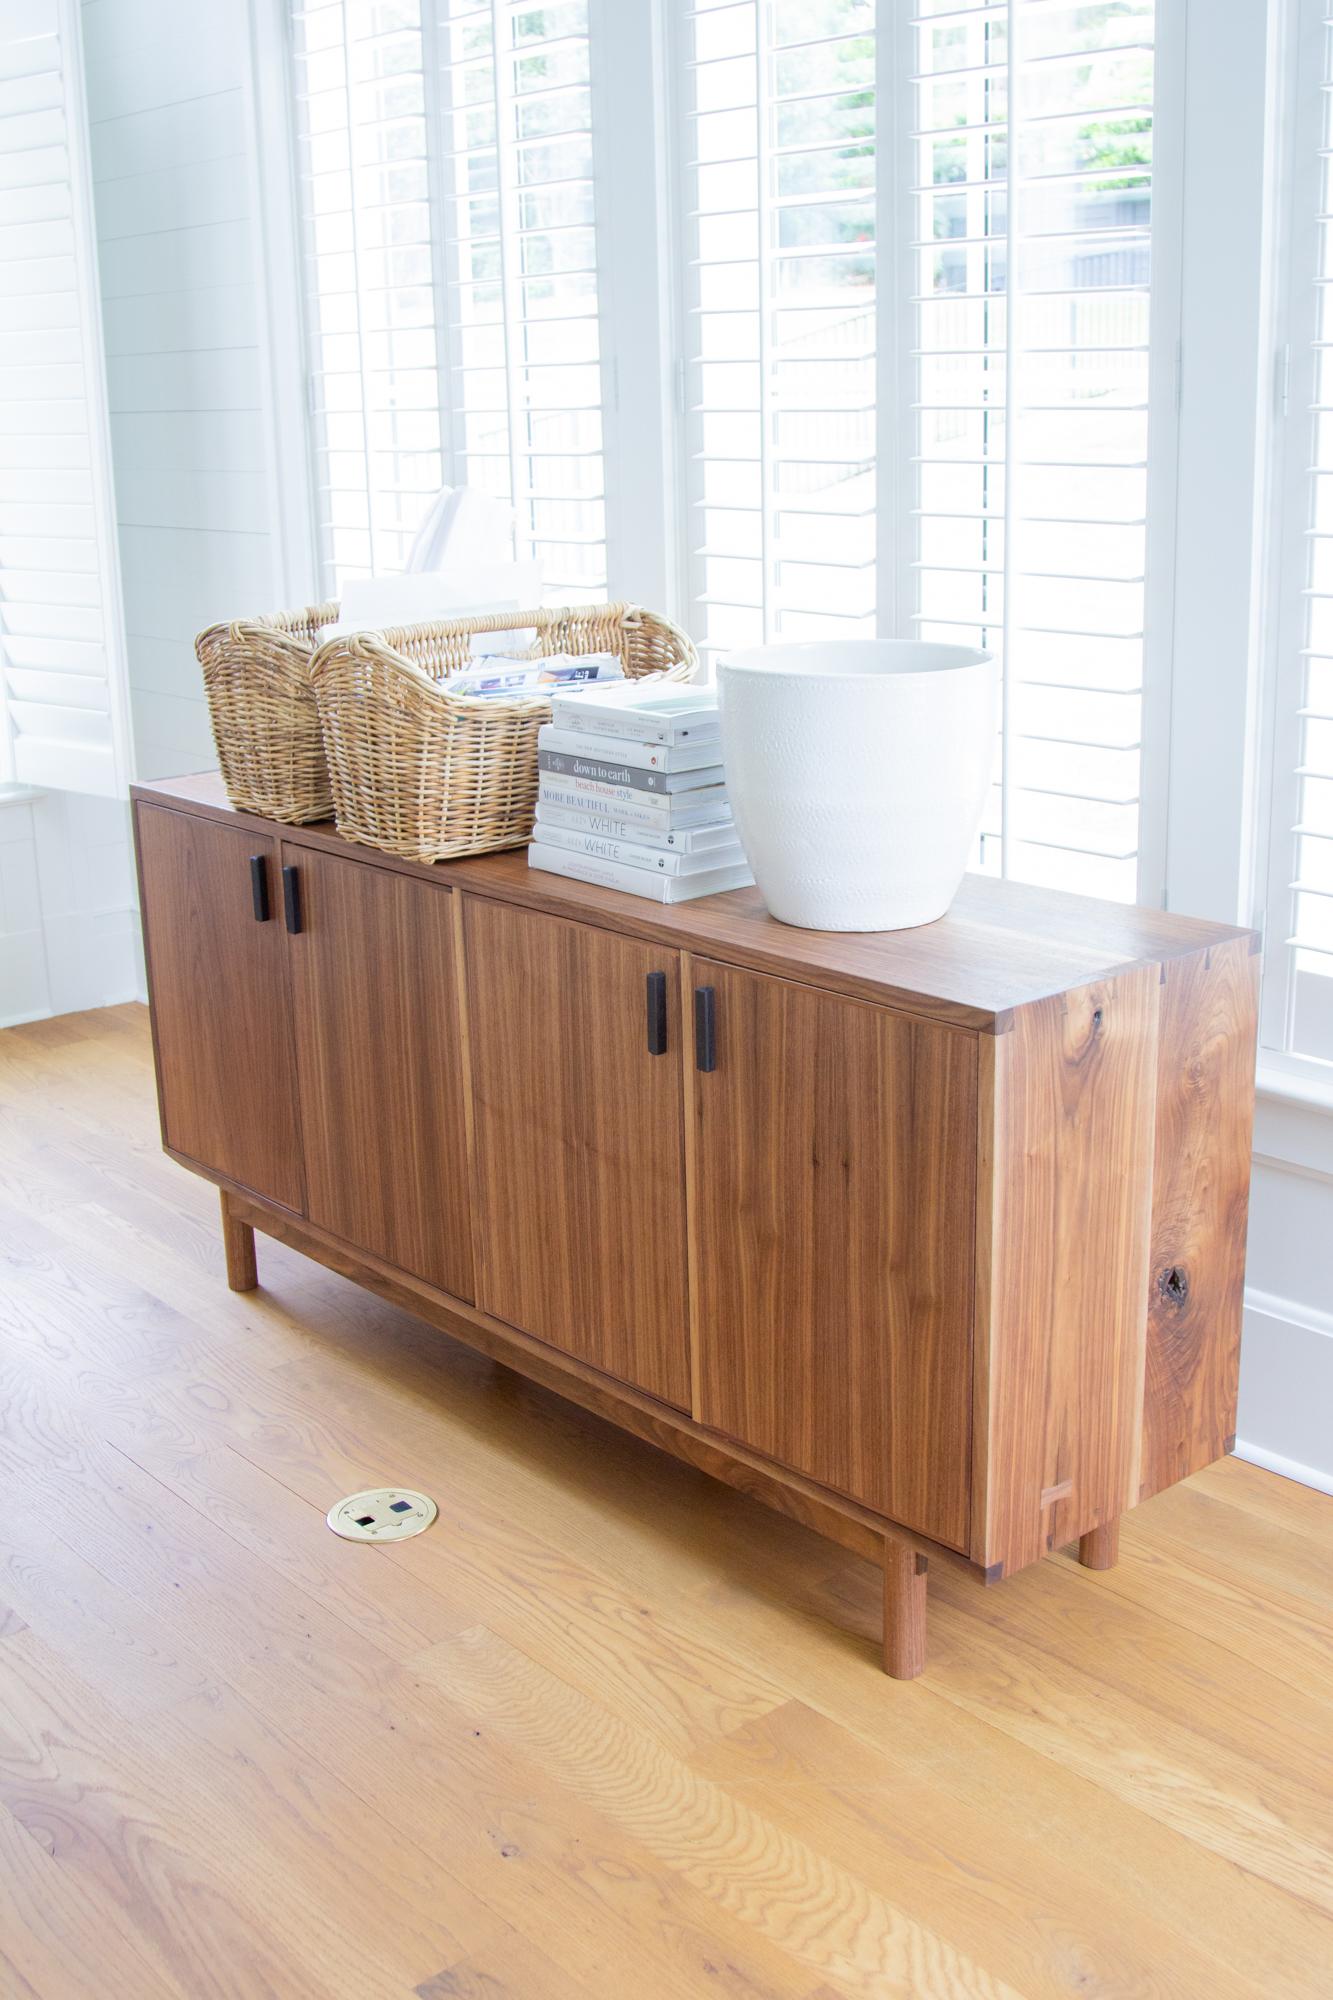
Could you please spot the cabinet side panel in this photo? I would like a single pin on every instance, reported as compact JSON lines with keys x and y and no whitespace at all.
{"x":1201,"y":1189}
{"x":1071,"y":1192}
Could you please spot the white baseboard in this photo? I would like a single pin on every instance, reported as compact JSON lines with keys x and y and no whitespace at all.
{"x":1290,"y":1312}
{"x":1285,"y":1420}
{"x":113,"y":999}
{"x":22,"y":1020}
{"x":74,"y":963}
{"x":1287,"y":1468}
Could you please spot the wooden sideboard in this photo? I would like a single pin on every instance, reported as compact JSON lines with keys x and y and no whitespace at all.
{"x":933,"y":1239}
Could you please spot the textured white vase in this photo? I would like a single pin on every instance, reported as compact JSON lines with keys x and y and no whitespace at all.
{"x":857,"y":771}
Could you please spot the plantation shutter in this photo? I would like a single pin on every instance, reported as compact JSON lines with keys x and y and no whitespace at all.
{"x":1032,"y":148}
{"x":445,"y":185}
{"x":1298,"y":1007}
{"x":364,"y":190}
{"x":61,"y":644}
{"x":779,"y":279}
{"x":521,"y":277}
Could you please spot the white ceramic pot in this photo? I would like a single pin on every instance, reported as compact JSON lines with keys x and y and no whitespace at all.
{"x":857,"y":771}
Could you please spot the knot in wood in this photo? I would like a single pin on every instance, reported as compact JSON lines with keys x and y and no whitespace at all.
{"x":1174,"y":1286}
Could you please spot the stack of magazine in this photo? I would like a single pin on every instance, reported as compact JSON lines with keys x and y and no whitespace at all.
{"x":632,"y":794}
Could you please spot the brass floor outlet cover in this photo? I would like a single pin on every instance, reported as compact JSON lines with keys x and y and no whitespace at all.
{"x":383,"y":1514}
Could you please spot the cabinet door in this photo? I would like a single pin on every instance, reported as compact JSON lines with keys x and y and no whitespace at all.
{"x":580,"y":1174}
{"x":374,"y":985}
{"x":217,"y":976}
{"x":833,"y":1225}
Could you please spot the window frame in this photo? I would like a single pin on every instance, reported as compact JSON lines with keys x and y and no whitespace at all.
{"x":636,"y":196}
{"x":284,"y":345}
{"x":1300,"y":68}
{"x":1216,"y":684}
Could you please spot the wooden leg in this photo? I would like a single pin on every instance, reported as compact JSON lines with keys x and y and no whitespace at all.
{"x":904,"y":1609}
{"x":238,"y":1241}
{"x":1099,"y":1548}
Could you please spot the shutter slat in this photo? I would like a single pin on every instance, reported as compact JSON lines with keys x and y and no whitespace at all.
{"x":61,"y":681}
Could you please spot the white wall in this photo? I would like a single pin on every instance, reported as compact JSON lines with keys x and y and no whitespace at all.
{"x":174,"y":181}
{"x":69,"y":934}
{"x":173,"y":154}
{"x":1285,"y":1419}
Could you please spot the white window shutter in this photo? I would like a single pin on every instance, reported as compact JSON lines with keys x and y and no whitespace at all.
{"x":446,"y":193}
{"x":1298,"y":976}
{"x":62,"y":650}
{"x":997,"y":263}
{"x":778,"y":269}
{"x":1032,"y":143}
{"x":369,"y":288}
{"x":521,"y":283}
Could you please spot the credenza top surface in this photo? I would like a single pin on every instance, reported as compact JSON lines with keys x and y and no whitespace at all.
{"x":1001,"y":946}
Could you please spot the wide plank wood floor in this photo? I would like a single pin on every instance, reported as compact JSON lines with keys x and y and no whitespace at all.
{"x":608,"y":1731}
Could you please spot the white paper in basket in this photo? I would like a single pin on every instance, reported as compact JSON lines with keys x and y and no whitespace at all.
{"x":379,"y":603}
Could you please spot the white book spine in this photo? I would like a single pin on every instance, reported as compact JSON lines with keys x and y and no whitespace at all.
{"x":630,"y":854}
{"x":614,"y":825}
{"x":607,"y":875}
{"x":657,"y":808}
{"x":605,"y":720}
{"x":637,"y":881}
{"x":626,"y":750}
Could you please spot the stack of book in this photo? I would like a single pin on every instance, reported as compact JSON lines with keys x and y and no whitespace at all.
{"x":632,"y":794}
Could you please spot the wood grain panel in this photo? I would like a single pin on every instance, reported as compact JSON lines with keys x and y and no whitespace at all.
{"x":221,"y":1007}
{"x":1201,"y":1191}
{"x":832,"y":1218}
{"x":1002,"y":944}
{"x":378,"y":1047}
{"x":578,"y":1142}
{"x":1062,"y":1321}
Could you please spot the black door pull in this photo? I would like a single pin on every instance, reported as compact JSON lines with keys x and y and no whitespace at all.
{"x":291,"y":899}
{"x":259,"y":887}
{"x":705,"y":1028}
{"x":657,"y":1013}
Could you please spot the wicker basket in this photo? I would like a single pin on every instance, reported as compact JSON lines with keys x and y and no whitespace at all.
{"x":257,"y":677}
{"x":427,"y":774}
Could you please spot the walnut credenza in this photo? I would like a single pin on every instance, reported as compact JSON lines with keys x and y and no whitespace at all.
{"x":933,"y":1239}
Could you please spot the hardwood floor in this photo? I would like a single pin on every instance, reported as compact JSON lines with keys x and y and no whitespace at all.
{"x":608,"y":1731}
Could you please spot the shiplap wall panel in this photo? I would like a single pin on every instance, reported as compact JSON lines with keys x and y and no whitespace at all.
{"x":134,"y":47}
{"x":200,"y":192}
{"x":62,"y":694}
{"x":167,"y":260}
{"x":170,"y":572}
{"x":191,"y":379}
{"x":205,"y":121}
{"x":148,"y":494}
{"x":172,"y":142}
{"x":68,"y":936}
{"x":188,"y":440}
{"x":217,"y":315}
